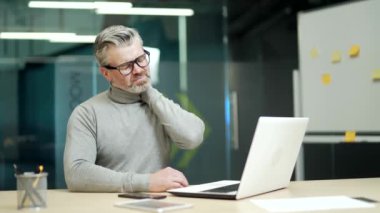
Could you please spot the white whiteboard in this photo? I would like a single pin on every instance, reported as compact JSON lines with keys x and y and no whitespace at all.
{"x":350,"y":98}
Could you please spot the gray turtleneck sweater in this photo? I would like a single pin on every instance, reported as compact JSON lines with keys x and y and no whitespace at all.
{"x":116,"y":139}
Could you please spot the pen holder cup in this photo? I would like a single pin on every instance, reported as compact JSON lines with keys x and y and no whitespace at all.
{"x":31,"y":190}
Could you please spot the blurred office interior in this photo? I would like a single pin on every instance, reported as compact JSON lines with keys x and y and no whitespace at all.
{"x":229,"y":62}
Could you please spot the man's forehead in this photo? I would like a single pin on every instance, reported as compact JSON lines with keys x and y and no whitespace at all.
{"x":123,"y":54}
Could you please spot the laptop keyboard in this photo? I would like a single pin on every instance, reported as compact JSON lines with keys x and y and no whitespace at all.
{"x":229,"y":188}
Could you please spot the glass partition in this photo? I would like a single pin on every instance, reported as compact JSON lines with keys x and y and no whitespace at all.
{"x":42,"y":82}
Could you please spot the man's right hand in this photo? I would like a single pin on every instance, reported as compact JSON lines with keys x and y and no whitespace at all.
{"x":165,"y":179}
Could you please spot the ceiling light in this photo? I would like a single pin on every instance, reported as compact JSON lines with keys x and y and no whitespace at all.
{"x":52,"y":37}
{"x":116,"y":8}
{"x":112,"y":5}
{"x":74,"y":39}
{"x":34,"y":35}
{"x":79,"y":5}
{"x":147,"y":11}
{"x":61,"y":5}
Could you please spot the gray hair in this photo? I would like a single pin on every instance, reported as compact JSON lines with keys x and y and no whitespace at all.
{"x":117,"y":35}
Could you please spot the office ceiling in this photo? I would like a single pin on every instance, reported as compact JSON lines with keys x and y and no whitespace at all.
{"x":243,"y":17}
{"x":15,"y":16}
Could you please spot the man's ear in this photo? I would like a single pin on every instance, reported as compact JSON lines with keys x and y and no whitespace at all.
{"x":105,"y":73}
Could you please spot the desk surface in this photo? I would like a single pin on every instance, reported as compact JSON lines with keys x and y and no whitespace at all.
{"x":64,"y":201}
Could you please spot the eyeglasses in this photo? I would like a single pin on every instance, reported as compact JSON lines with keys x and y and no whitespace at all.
{"x":127,"y":67}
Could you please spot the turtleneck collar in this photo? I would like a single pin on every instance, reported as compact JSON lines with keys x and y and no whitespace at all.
{"x":122,"y":97}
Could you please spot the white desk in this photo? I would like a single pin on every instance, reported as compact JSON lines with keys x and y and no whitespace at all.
{"x":63,"y":201}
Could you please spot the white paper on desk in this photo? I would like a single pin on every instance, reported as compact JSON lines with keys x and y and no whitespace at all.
{"x":310,"y":204}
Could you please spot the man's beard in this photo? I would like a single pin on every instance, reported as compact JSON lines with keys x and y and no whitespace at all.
{"x":137,"y":89}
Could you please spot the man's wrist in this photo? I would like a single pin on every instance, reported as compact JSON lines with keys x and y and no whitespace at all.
{"x":140,"y":182}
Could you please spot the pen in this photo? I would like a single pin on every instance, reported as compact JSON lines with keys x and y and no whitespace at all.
{"x":40,"y":169}
{"x":17,"y":171}
{"x":35,"y":184}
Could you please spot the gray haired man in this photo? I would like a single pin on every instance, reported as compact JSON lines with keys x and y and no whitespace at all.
{"x":120,"y":139}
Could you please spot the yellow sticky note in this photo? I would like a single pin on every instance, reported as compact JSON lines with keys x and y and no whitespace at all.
{"x":376,"y":75}
{"x":336,"y":57}
{"x":354,"y":51}
{"x":326,"y":79}
{"x":314,"y":53}
{"x":350,"y":136}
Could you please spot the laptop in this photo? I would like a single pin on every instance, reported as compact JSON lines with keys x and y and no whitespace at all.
{"x":269,"y":165}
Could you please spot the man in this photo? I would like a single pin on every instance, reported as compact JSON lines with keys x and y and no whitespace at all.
{"x":119,"y":140}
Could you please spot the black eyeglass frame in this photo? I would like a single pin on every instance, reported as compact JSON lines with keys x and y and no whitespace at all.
{"x":135,"y":61}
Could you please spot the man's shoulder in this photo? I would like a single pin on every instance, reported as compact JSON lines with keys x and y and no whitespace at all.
{"x":91,"y":108}
{"x":94,"y":101}
{"x":99,"y":98}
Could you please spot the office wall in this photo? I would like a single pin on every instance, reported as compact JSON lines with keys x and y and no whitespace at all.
{"x":263,"y":54}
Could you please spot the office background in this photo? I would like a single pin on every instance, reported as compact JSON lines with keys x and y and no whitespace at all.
{"x":240,"y":58}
